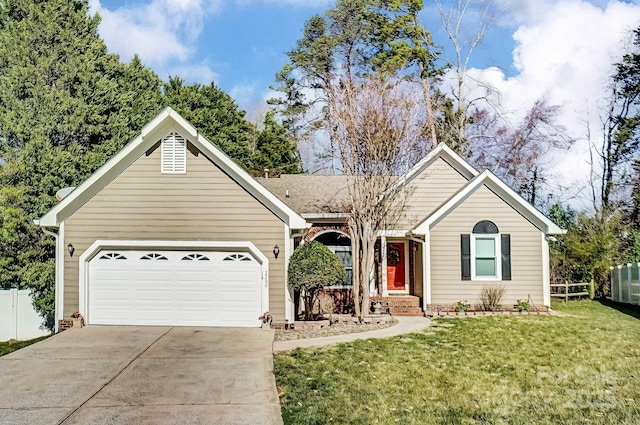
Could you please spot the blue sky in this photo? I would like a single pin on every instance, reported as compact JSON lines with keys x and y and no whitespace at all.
{"x":242,"y":44}
{"x":558,"y":50}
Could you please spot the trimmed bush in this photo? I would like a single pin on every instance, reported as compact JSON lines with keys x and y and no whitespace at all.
{"x":312,"y":267}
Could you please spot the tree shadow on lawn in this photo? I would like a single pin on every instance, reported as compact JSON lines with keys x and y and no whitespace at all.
{"x":628,"y":309}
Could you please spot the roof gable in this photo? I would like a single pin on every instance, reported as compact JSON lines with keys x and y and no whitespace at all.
{"x":504,"y":192}
{"x":319,"y":195}
{"x":446,"y":153}
{"x":167,"y":121}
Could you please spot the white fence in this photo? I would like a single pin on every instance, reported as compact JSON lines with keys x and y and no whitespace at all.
{"x":18,"y":319}
{"x":625,"y":283}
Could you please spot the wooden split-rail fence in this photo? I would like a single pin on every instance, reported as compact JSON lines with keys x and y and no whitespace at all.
{"x":567,"y":290}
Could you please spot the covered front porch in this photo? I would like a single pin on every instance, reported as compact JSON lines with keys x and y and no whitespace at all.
{"x":398,"y":275}
{"x":399,"y":278}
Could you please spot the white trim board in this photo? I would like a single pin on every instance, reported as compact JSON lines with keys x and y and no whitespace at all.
{"x":449,"y":156}
{"x":508,"y":195}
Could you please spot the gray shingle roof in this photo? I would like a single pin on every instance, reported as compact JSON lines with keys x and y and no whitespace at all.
{"x":310,"y":194}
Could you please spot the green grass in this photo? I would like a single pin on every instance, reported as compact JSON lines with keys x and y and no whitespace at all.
{"x":11,"y":346}
{"x":579,"y":368}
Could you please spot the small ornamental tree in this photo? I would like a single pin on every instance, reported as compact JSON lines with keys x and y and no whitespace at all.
{"x":312,"y":267}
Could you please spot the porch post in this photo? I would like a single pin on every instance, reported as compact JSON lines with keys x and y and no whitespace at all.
{"x":383,"y":254}
{"x":426,"y":272}
{"x":546,"y":277}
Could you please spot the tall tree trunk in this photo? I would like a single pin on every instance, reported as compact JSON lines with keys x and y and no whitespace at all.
{"x":355,"y":248}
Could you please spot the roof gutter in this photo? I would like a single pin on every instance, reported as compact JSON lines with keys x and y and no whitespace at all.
{"x":324,"y":215}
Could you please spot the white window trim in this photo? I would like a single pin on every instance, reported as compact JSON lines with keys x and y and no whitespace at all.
{"x":496,"y":237}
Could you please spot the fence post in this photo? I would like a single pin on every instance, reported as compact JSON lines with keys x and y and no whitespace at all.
{"x":566,"y":291}
{"x":637,"y":266}
{"x":14,"y":298}
{"x":611,"y":281}
{"x":629,"y":282}
{"x":620,"y":282}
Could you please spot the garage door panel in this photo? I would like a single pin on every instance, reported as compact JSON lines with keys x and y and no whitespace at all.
{"x":153,"y":276}
{"x":194,"y":296}
{"x":112,"y":313}
{"x":175,"y":288}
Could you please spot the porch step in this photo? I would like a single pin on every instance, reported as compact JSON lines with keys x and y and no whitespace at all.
{"x":402,"y":305}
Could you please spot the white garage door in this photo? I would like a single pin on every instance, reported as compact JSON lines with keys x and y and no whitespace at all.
{"x":174,"y":288}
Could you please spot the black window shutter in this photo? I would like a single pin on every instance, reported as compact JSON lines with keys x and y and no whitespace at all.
{"x":505,"y":247}
{"x":465,"y":256}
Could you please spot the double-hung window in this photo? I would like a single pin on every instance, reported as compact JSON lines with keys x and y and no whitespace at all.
{"x":486,"y":253}
{"x":486,"y":261}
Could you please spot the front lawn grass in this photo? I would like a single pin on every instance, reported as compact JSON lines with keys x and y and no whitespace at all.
{"x":11,"y":346}
{"x":579,"y":368}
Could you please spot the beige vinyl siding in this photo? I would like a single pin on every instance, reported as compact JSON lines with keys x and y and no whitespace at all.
{"x":202,"y":205}
{"x":526,"y":251}
{"x":437,"y":183}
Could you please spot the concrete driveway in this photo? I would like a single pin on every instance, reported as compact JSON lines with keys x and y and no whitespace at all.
{"x":142,"y":375}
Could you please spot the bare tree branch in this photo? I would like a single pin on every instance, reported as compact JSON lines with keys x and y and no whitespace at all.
{"x":376,"y":128}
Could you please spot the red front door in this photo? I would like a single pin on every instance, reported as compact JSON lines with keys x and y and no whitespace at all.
{"x":395,"y":267}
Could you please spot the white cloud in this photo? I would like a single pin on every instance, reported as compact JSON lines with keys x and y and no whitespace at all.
{"x":192,"y":73}
{"x":243,"y":94}
{"x":565,"y":51}
{"x":158,"y":31}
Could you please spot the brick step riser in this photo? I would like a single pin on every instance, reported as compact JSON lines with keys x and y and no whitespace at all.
{"x":403,"y":305}
{"x":406,"y":304}
{"x":416,"y":314}
{"x":406,"y":311}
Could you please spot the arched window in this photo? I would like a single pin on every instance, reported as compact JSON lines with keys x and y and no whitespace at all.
{"x":339,"y":243}
{"x":486,"y":253}
{"x":485,"y":226}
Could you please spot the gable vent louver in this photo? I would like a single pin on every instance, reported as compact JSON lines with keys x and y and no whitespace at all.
{"x":174,"y":154}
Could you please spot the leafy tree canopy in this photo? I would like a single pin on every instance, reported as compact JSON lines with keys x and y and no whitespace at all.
{"x":352,"y":41}
{"x":217,"y":116}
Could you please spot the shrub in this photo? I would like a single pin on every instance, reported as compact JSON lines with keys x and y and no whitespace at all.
{"x":312,"y":267}
{"x":462,"y":305}
{"x":491,"y":297}
{"x":522,"y":305}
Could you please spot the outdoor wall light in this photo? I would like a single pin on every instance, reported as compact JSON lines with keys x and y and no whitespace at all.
{"x":276,"y":251}
{"x":71,"y":249}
